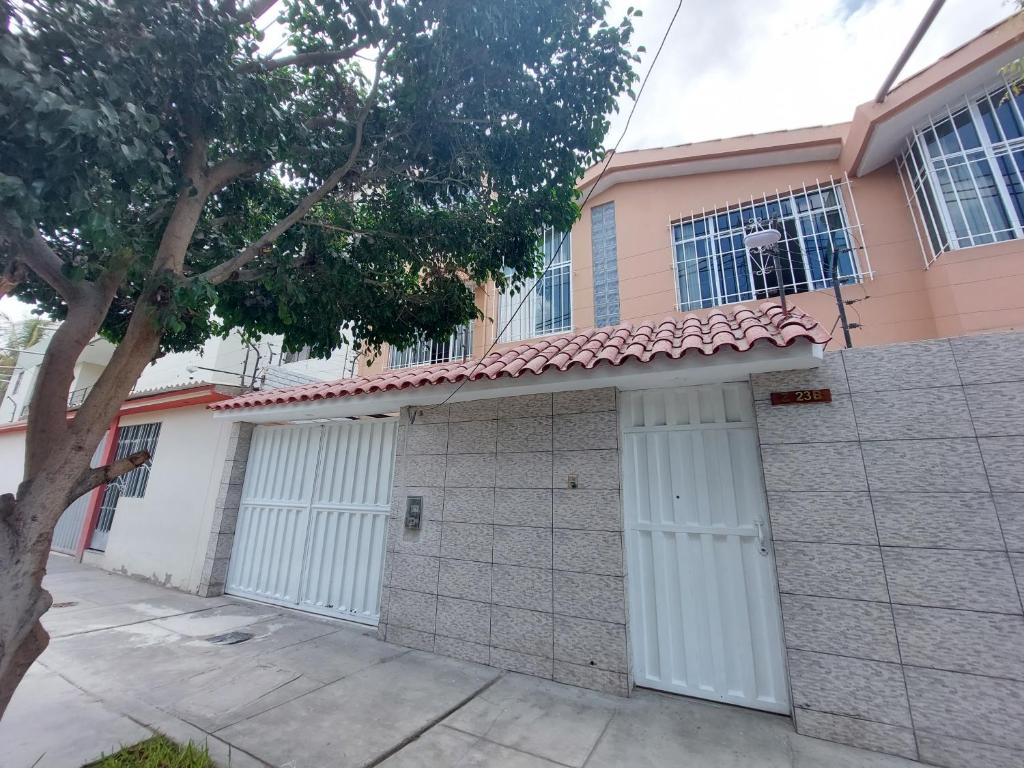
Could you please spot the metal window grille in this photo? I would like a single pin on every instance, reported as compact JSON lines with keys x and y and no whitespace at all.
{"x":963,"y":173}
{"x":458,"y":346}
{"x":77,"y":396}
{"x":713,"y":267}
{"x":548,"y":307}
{"x":131,"y":439}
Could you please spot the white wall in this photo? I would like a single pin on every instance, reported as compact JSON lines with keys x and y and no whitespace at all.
{"x":12,"y":460}
{"x":163,"y":536}
{"x":338,"y":365}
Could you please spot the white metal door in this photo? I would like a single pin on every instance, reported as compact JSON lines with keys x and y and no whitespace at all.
{"x":312,"y":523}
{"x":704,"y":614}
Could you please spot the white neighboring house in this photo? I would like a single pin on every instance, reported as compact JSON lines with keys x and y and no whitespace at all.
{"x":154,"y":522}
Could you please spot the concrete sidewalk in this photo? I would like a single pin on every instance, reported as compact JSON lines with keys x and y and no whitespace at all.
{"x":128,"y":658}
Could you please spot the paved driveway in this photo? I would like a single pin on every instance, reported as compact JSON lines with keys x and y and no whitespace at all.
{"x":128,"y":658}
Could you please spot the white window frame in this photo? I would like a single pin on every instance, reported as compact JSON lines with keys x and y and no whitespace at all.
{"x":459,"y":347}
{"x":850,"y":220}
{"x":525,"y":323}
{"x":935,"y":215}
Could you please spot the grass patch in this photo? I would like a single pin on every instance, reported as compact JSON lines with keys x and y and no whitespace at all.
{"x":158,"y":752}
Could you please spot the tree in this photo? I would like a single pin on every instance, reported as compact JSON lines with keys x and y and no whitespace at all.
{"x":163,"y":177}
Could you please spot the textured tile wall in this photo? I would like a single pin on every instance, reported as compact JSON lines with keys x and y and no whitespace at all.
{"x":898,"y":518}
{"x":511,"y":566}
{"x":225,"y":512}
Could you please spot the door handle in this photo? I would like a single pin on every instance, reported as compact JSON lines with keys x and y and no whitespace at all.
{"x":762,"y":542}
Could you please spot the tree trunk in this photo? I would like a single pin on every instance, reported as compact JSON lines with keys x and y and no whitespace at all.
{"x":58,"y":458}
{"x":22,"y":597}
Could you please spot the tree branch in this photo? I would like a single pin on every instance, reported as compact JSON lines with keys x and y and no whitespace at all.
{"x":188,"y":208}
{"x":224,"y":270}
{"x":229,"y":169}
{"x":253,"y":10}
{"x":37,"y":255}
{"x":12,"y":277}
{"x":307,"y":59}
{"x":93,"y":478}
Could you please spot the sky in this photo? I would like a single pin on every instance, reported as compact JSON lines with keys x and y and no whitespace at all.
{"x":734,"y":67}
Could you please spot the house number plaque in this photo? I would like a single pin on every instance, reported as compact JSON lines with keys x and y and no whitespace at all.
{"x":802,"y":397}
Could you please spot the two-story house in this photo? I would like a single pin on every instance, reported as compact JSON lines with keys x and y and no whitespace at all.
{"x":654,"y":473}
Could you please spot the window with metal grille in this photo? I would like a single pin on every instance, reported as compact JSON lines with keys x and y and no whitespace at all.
{"x":131,"y":439}
{"x":547,"y":308}
{"x":458,"y":346}
{"x":713,"y":267}
{"x":963,"y":172}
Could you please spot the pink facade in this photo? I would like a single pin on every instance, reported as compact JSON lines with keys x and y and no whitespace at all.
{"x":905,"y":291}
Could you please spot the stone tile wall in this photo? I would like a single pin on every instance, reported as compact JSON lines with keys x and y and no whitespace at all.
{"x":225,"y":512}
{"x":512,"y":567}
{"x":898,"y":518}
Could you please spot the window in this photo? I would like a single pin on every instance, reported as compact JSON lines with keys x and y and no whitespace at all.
{"x":548,"y":307}
{"x":964,"y":173}
{"x":16,"y":385}
{"x":714,"y":268}
{"x":138,"y":437}
{"x":458,"y":346}
{"x":606,"y":271}
{"x":295,"y":357}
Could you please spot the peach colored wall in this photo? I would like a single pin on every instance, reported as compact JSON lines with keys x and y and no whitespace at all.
{"x":977,"y":289}
{"x":898,"y":307}
{"x":969,"y":291}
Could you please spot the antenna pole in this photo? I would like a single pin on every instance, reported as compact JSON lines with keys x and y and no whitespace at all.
{"x":839,"y":298}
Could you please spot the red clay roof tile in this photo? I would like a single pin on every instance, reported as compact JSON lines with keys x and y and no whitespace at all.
{"x":740,"y":329}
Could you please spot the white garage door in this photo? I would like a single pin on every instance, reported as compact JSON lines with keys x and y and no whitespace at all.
{"x":312,"y":524}
{"x":704,"y":616}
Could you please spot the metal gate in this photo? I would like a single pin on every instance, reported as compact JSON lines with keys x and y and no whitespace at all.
{"x":705,"y":618}
{"x":312,"y":524}
{"x":69,"y":527}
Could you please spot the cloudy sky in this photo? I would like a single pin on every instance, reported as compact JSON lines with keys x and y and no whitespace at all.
{"x":732,"y":67}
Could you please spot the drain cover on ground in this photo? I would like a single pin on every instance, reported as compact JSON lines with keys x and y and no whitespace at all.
{"x":230,"y":638}
{"x":67,"y":604}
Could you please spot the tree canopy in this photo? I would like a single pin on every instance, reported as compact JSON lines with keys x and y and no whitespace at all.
{"x":444,"y":134}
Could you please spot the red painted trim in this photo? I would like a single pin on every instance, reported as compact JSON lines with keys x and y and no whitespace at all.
{"x":170,"y":393}
{"x":158,"y":402}
{"x":89,"y":524}
{"x":213,"y":397}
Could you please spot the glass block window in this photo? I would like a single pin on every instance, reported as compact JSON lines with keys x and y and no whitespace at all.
{"x":714,"y":268}
{"x":606,"y":268}
{"x":458,"y":346}
{"x":548,"y":308}
{"x":963,"y":172}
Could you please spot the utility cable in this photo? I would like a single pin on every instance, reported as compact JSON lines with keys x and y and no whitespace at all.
{"x":608,"y":158}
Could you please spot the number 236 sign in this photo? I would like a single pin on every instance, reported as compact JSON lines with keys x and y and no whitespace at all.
{"x":802,"y":397}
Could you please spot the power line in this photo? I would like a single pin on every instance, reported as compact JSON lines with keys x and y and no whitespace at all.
{"x":608,"y":159}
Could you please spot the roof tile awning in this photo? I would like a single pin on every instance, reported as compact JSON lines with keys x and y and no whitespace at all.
{"x":738,"y":328}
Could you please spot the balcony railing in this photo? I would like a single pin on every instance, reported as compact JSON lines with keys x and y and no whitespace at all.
{"x":458,"y":346}
{"x":75,"y":399}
